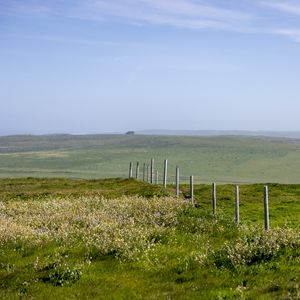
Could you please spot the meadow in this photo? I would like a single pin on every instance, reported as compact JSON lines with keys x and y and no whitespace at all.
{"x":222,"y":159}
{"x":73,"y":226}
{"x":126,"y":239}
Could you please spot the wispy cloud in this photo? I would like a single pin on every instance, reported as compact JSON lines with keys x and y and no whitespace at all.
{"x":284,"y":6}
{"x":248,"y":16}
{"x":25,"y":7}
{"x":286,"y":9}
{"x":189,"y":14}
{"x":293,"y":34}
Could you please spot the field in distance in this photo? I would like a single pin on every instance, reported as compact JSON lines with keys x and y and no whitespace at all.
{"x":222,"y":159}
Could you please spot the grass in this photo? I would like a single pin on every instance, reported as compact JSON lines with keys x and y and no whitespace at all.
{"x":35,"y":188}
{"x":190,"y":254}
{"x":221,"y":159}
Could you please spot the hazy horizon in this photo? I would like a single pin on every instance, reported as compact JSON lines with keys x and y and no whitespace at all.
{"x":112,"y":66}
{"x":172,"y":132}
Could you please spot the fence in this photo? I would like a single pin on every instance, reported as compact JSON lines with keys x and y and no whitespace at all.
{"x":150,"y":175}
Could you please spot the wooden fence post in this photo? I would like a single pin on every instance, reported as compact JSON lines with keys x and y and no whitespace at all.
{"x":151,"y":170}
{"x":266,"y":207}
{"x":137,"y":173}
{"x":165,"y":173}
{"x":214,"y":197}
{"x":237,"y":205}
{"x":147,"y":173}
{"x":130,"y":170}
{"x":177,"y":181}
{"x":144,"y":171}
{"x":192,"y":188}
{"x":156,"y":177}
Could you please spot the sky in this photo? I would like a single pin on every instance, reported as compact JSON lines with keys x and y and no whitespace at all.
{"x":99,"y":66}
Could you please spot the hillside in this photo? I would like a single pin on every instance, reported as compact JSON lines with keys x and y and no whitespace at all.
{"x":262,"y":133}
{"x":221,"y":159}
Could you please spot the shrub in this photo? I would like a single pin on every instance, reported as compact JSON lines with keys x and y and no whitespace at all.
{"x":57,"y":271}
{"x":256,"y":246}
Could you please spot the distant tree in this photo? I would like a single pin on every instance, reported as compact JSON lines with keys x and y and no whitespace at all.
{"x":130,"y":132}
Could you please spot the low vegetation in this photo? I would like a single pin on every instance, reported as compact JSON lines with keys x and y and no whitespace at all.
{"x":123,"y":239}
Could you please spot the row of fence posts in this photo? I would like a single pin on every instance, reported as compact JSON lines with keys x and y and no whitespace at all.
{"x":149,"y":173}
{"x":154,"y":179}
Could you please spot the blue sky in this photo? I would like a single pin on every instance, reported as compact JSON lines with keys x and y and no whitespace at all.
{"x":110,"y":66}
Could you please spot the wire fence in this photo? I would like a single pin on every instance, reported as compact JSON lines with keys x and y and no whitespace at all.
{"x":147,"y":172}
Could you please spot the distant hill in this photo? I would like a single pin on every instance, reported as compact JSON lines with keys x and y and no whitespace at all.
{"x":167,"y":132}
{"x":244,"y":159}
{"x":284,"y":134}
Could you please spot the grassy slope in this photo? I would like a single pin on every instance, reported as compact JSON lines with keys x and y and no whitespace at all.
{"x":222,"y":159}
{"x":169,"y":272}
{"x":35,"y":188}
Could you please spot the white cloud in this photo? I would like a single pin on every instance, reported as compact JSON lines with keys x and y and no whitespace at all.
{"x":293,"y":34}
{"x":178,"y":13}
{"x":194,"y":9}
{"x":247,"y":16}
{"x":284,"y":6}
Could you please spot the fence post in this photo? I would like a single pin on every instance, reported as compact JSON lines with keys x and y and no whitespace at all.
{"x":151,"y":170}
{"x":156,"y":177}
{"x":165,"y":173}
{"x":192,"y":188}
{"x":137,"y":173}
{"x":147,"y":173}
{"x":214,"y":197}
{"x":266,"y":207}
{"x":144,"y":170}
{"x":130,"y":170}
{"x":237,"y":205}
{"x":177,"y":181}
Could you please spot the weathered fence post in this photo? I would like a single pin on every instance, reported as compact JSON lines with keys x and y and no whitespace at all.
{"x":130,"y":170}
{"x":177,"y":181}
{"x":147,"y":173}
{"x":156,"y":177}
{"x":137,"y":173}
{"x":237,"y":205}
{"x":266,"y":206}
{"x":165,"y":173}
{"x":214,"y":197}
{"x":144,"y":171}
{"x":192,"y":188}
{"x":151,"y":170}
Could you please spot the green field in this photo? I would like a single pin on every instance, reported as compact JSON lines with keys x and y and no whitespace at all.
{"x":124,"y":239}
{"x":65,"y":233}
{"x":220,"y":159}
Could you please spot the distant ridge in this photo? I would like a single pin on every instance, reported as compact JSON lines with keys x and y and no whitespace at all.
{"x":281,"y":134}
{"x":168,"y":132}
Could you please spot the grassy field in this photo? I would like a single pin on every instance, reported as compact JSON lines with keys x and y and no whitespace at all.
{"x":221,"y":159}
{"x":123,"y":239}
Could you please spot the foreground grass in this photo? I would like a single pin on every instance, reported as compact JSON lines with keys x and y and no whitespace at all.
{"x":65,"y":243}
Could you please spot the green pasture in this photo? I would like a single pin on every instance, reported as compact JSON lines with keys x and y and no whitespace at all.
{"x":220,"y":159}
{"x":197,"y":256}
{"x":200,"y":256}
